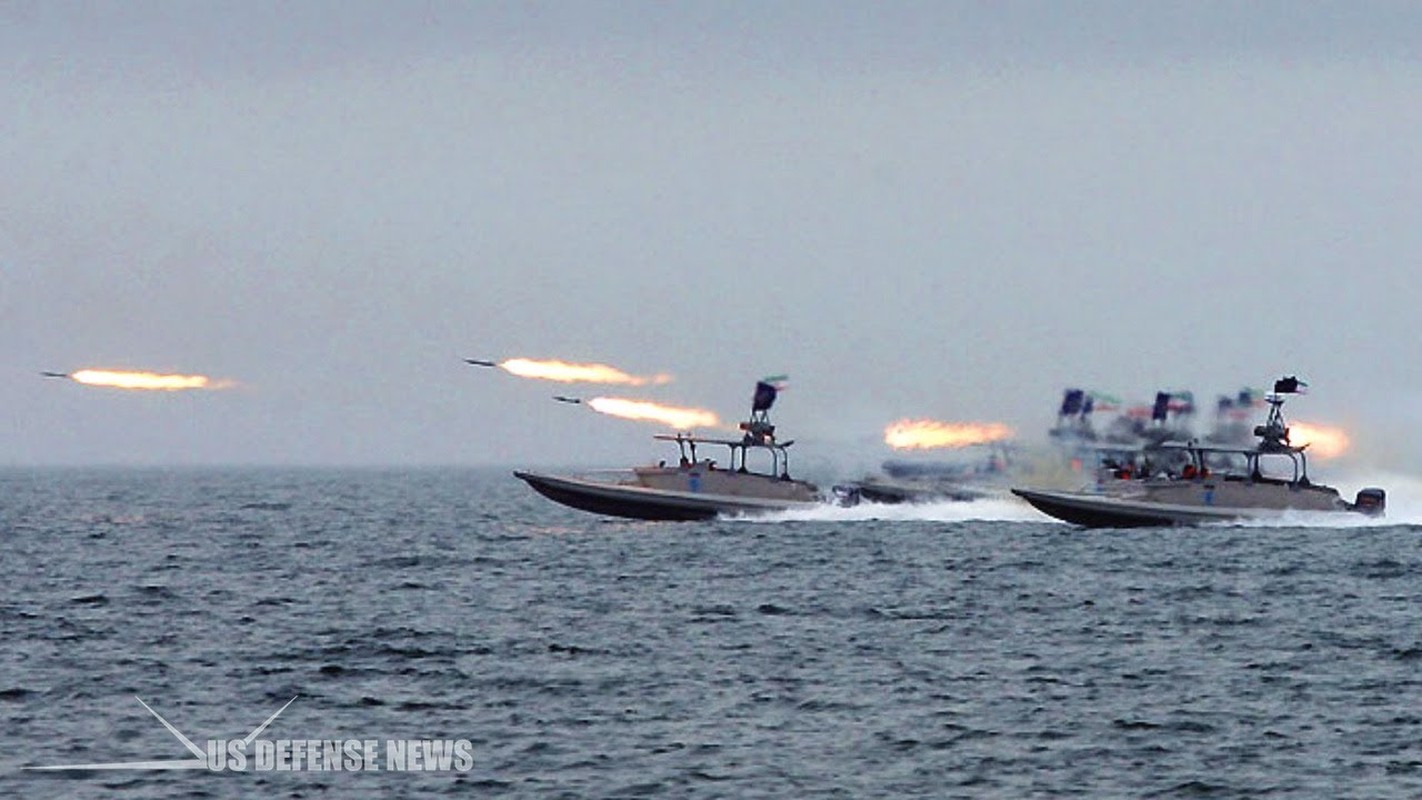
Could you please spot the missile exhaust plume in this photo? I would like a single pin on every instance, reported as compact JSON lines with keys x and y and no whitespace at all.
{"x":1324,"y":441}
{"x":642,"y":410}
{"x":927,"y":434}
{"x":565,"y":372}
{"x":142,"y":381}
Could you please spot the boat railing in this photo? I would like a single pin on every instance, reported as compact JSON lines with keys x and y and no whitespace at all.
{"x":780,"y":456}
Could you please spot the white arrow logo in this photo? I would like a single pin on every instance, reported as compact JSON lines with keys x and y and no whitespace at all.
{"x":198,"y":761}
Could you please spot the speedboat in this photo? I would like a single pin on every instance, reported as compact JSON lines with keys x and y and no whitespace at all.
{"x":1189,"y":483}
{"x":694,"y":488}
{"x":889,"y":490}
{"x":917,"y":481}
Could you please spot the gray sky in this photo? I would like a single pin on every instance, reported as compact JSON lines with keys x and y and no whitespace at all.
{"x":936,"y":209}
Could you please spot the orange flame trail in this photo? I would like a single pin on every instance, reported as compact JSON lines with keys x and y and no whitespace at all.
{"x":678,"y":418}
{"x":1324,"y":441}
{"x":146,"y":381}
{"x":925,"y":434}
{"x":565,"y":372}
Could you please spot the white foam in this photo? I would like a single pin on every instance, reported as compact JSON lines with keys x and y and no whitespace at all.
{"x":1315,"y":519}
{"x":994,"y":509}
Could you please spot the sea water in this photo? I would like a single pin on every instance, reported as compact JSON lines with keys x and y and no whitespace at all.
{"x":957,"y":650}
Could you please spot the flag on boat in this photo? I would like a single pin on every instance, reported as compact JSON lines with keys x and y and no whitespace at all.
{"x":1290,"y":385}
{"x":1182,"y":402}
{"x":764,"y":396}
{"x":1105,"y":402}
{"x":1159,"y":411}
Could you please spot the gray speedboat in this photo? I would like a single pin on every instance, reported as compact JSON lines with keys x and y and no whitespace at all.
{"x":909,"y":480}
{"x":1208,"y":483}
{"x":695,"y":487}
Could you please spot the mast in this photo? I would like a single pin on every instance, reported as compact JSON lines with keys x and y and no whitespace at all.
{"x":1274,"y":433}
{"x":759,"y":432}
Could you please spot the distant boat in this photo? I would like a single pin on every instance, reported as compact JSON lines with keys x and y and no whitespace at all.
{"x":919,"y":481}
{"x":694,"y":488}
{"x":889,"y":490}
{"x":1213,"y":483}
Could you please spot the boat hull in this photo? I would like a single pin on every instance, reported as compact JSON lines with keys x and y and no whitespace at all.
{"x":892,"y":492}
{"x":1106,"y":511}
{"x":639,"y":502}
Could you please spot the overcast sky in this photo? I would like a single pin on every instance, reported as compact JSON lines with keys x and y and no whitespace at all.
{"x":936,"y":209}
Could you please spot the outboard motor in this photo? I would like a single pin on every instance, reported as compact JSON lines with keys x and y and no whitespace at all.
{"x":1371,"y":501}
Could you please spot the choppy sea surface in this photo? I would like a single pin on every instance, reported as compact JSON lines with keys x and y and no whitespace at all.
{"x":962,"y":650}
